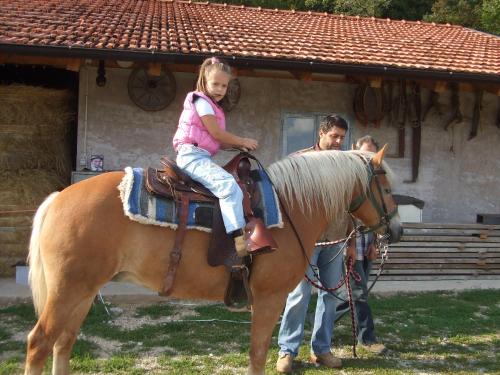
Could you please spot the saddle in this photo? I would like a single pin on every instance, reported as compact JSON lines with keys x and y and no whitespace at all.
{"x":172,"y":183}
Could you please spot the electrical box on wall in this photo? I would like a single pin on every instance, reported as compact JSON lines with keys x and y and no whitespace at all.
{"x":410,"y":208}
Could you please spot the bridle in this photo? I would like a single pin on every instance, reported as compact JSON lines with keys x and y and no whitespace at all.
{"x":384,"y":220}
{"x":384,"y":215}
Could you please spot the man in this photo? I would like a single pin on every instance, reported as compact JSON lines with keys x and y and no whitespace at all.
{"x":332,"y":133}
{"x":366,"y":252}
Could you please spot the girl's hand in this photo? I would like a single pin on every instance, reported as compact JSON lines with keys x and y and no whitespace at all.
{"x":249,"y":144}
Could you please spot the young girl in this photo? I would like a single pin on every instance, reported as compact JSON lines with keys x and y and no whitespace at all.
{"x":200,"y":135}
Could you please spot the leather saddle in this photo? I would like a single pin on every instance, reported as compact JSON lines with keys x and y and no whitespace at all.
{"x":172,"y":183}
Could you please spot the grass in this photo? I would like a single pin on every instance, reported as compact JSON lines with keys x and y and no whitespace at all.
{"x":438,"y":333}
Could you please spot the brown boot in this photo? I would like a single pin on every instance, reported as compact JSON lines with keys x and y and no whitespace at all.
{"x":284,"y":363}
{"x":259,"y":238}
{"x":327,"y":360}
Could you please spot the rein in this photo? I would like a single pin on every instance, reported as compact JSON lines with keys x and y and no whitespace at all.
{"x":385,"y":218}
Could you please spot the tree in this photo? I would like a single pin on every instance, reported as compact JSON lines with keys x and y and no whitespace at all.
{"x":367,"y":8}
{"x":458,"y":12}
{"x":490,"y":16}
{"x":478,"y":14}
{"x":407,"y":10}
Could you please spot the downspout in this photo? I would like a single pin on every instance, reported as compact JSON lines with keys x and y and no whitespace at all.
{"x":83,"y":157}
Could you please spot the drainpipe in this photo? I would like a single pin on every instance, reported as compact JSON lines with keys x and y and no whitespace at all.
{"x":83,"y":156}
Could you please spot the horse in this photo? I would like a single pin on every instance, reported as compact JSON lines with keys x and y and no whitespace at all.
{"x":81,"y":239}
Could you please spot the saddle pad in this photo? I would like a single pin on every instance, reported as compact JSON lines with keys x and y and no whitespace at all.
{"x":141,"y":206}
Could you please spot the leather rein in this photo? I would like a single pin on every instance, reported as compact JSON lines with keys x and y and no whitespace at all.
{"x":384,"y":220}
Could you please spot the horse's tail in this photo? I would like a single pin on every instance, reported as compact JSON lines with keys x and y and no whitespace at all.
{"x":37,"y":274}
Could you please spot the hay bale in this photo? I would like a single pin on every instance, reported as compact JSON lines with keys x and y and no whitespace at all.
{"x":35,"y":128}
{"x":36,"y":125}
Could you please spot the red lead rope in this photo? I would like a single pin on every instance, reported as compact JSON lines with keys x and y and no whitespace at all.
{"x":347,"y":281}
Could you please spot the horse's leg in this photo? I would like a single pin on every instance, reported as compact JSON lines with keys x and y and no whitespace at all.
{"x":56,"y":329}
{"x":64,"y":343}
{"x":43,"y":336}
{"x":266,"y":310}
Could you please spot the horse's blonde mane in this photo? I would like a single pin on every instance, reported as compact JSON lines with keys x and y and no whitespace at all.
{"x":324,"y":177}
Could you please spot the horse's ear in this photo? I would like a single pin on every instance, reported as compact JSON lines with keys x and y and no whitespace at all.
{"x":379,"y":156}
{"x":353,"y":146}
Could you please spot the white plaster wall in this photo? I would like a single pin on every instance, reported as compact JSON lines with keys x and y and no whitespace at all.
{"x":455,"y":185}
{"x":458,"y":178}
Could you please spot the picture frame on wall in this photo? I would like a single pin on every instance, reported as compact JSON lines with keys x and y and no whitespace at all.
{"x":97,"y":163}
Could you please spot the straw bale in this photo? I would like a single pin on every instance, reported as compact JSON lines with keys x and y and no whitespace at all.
{"x":35,"y":125}
{"x":27,"y":188}
{"x":35,"y":157}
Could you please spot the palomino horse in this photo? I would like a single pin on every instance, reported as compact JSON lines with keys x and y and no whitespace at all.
{"x":81,"y":239}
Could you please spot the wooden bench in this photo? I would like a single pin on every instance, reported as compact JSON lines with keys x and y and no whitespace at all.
{"x":431,"y":251}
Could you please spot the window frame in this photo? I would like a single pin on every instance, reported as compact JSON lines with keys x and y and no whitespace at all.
{"x":317,"y":120}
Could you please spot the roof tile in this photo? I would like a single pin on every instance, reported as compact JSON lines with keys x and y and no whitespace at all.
{"x":173,"y":26}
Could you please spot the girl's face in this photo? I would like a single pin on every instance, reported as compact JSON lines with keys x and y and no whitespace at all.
{"x":217,"y":82}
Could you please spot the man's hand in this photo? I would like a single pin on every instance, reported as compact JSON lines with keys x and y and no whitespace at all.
{"x":373,"y":252}
{"x":351,"y":251}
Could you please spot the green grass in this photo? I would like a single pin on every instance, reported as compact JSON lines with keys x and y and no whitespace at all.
{"x":431,"y":333}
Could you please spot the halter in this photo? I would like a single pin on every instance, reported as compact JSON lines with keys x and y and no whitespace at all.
{"x":384,"y":215}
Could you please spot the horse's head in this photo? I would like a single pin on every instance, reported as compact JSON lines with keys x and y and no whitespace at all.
{"x":375,"y":207}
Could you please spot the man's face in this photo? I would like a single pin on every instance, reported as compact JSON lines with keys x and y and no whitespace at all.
{"x":333,"y":139}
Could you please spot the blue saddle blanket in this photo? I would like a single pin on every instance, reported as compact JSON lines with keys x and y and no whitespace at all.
{"x":139,"y":205}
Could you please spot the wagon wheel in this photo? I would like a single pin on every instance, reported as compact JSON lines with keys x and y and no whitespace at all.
{"x":232,"y":95}
{"x":151,"y":93}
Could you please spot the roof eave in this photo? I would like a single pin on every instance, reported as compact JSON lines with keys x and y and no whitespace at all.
{"x":243,"y":61}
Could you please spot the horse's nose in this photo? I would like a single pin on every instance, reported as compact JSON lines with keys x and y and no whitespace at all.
{"x":396,"y":234}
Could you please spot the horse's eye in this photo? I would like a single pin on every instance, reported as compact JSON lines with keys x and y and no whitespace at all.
{"x":387,"y":191}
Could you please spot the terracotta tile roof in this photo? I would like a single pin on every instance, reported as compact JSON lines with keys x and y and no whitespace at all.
{"x":164,"y":26}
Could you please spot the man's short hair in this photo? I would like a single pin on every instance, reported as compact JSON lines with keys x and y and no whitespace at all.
{"x":333,"y":120}
{"x":366,"y":139}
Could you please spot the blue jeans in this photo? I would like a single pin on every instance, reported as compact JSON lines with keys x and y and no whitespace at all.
{"x":291,"y":331}
{"x":363,"y":312}
{"x":197,"y":163}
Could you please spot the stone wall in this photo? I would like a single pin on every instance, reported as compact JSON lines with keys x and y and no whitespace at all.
{"x":458,"y":177}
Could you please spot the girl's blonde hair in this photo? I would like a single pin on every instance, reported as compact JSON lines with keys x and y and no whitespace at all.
{"x":208,"y":66}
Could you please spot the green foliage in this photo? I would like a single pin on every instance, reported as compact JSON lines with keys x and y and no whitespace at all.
{"x":457,"y":12}
{"x":477,"y":14}
{"x":408,"y":10}
{"x":366,"y":8}
{"x":490,"y":16}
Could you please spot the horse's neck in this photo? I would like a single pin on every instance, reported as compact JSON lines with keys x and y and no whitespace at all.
{"x":307,"y":226}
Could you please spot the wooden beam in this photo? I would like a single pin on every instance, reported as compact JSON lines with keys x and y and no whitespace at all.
{"x":73,"y":65}
{"x":440,"y":86}
{"x":466,"y":87}
{"x":302,"y":76}
{"x":183,"y":68}
{"x":154,"y":69}
{"x":376,"y":83}
{"x":59,"y":62}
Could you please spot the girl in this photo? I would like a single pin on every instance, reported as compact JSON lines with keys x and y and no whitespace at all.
{"x":200,"y":135}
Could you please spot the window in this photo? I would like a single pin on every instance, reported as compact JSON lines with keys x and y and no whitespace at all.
{"x":301,"y":131}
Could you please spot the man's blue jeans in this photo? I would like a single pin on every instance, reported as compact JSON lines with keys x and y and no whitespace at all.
{"x":364,"y":318}
{"x":291,"y":331}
